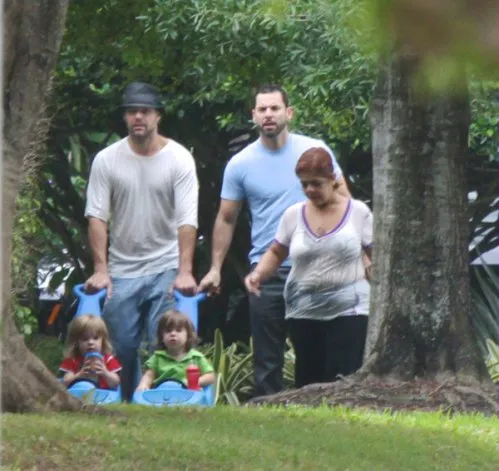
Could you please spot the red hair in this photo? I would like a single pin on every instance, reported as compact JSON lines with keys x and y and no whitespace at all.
{"x":317,"y":161}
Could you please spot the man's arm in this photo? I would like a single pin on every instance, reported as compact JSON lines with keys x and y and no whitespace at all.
{"x":186,"y":192}
{"x":186,"y":246}
{"x":97,"y":236}
{"x":185,"y":282}
{"x":223,"y":232}
{"x":97,"y":210}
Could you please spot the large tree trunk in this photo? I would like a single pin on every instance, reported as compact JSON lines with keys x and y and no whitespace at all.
{"x":419,"y":324}
{"x":33,"y":32}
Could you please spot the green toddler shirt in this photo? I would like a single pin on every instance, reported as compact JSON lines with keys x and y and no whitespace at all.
{"x":166,"y":367}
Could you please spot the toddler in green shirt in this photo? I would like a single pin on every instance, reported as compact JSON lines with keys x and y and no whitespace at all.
{"x":176,"y":340}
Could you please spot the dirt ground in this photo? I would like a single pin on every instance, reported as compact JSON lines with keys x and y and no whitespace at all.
{"x":417,"y":395}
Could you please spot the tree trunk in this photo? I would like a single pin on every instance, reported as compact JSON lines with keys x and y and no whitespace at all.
{"x":419,"y":324}
{"x":33,"y":32}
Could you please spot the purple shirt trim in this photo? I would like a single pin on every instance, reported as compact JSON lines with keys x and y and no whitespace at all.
{"x":332,"y":231}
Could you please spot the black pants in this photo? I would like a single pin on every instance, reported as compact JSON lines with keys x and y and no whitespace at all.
{"x":268,"y":330}
{"x":326,"y":349}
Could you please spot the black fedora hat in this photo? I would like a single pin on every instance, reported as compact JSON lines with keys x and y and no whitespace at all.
{"x":141,"y":95}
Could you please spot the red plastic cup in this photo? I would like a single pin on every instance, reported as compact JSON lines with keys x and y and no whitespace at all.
{"x":193,"y":373}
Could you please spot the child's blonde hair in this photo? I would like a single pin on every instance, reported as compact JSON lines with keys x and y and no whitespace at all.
{"x":176,"y":320}
{"x":84,"y":324}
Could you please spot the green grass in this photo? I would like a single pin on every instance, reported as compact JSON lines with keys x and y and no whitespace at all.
{"x":227,"y":438}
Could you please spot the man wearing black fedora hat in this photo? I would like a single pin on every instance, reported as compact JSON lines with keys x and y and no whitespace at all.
{"x":145,"y":187}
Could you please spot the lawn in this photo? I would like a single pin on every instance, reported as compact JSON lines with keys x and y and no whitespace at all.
{"x":226,"y":438}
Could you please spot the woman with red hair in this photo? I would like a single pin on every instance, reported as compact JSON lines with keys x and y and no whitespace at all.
{"x":328,"y":238}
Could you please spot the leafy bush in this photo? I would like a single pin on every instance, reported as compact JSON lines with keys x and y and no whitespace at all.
{"x":289,"y":366}
{"x":28,"y":238}
{"x":234,"y":369}
{"x":485,"y":300}
{"x":493,"y":361}
{"x":48,"y":349}
{"x":25,"y":319}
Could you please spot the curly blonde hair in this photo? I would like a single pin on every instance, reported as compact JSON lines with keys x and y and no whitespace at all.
{"x":84,"y":325}
{"x":173,"y":320}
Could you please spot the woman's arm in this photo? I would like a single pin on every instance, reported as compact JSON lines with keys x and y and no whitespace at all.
{"x":268,"y":264}
{"x":366,"y":257}
{"x":271,"y":260}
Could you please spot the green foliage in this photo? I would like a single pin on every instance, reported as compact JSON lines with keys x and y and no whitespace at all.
{"x":493,"y":360}
{"x":484,"y":319}
{"x":485,"y":299}
{"x":321,"y":50}
{"x":444,"y":35}
{"x":233,"y":366}
{"x":316,"y":49}
{"x":484,"y":119}
{"x":48,"y":349}
{"x":30,"y":238}
{"x":234,"y":46}
{"x":289,"y":366}
{"x":63,"y":181}
{"x":25,"y":319}
{"x":234,"y":371}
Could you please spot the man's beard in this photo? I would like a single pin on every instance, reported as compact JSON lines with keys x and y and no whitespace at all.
{"x":271,"y":133}
{"x":140,"y":137}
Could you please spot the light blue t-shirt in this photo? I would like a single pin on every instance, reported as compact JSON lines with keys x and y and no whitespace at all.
{"x":267,"y":180}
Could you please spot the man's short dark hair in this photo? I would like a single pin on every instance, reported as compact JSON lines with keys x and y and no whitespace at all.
{"x":271,"y":88}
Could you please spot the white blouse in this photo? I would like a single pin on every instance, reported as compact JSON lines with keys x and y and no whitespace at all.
{"x":327,"y":278}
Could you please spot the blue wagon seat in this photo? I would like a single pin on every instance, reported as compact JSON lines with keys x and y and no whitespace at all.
{"x":168,"y":393}
{"x":87,"y":390}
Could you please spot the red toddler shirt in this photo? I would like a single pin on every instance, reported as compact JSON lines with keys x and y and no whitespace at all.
{"x":74,"y":364}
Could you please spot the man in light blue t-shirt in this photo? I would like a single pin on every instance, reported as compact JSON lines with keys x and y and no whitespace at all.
{"x":263,"y":173}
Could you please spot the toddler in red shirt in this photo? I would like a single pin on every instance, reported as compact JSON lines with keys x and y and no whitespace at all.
{"x":88,"y":354}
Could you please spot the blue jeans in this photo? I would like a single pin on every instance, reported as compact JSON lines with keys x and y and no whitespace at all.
{"x":135,"y":307}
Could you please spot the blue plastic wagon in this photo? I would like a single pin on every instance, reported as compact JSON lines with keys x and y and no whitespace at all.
{"x":169,"y":393}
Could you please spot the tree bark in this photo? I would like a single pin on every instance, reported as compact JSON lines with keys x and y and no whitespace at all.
{"x":33,"y":32}
{"x":419,"y":323}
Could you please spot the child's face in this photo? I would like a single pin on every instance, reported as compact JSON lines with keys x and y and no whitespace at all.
{"x":175,"y":339}
{"x":90,"y":342}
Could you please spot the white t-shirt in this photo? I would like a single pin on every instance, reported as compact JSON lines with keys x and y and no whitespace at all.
{"x":327,"y":277}
{"x":145,"y":199}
